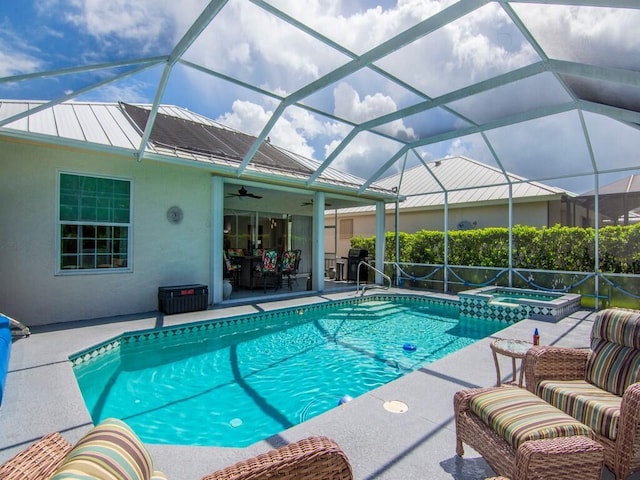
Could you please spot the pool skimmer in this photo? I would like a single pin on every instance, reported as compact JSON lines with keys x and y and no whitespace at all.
{"x":395,"y":406}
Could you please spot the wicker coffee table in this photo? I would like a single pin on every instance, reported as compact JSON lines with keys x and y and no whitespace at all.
{"x":514,"y":349}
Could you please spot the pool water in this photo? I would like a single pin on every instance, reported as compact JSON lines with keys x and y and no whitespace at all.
{"x":237,"y":388}
{"x":505,"y":296}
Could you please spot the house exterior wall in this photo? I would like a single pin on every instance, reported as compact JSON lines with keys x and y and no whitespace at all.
{"x":162,"y":253}
{"x":527,"y":213}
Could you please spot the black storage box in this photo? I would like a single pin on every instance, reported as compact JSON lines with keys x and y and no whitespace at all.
{"x":183,"y":298}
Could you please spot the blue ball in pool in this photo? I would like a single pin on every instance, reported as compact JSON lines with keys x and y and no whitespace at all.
{"x":409,"y":347}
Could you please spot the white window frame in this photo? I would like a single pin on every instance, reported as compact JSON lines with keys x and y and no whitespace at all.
{"x":105,"y":268}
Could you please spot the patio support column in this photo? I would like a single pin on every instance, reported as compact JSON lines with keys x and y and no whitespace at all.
{"x":597,"y":241}
{"x":217,"y":241}
{"x":317,"y":262}
{"x":397,"y":228}
{"x":380,"y":241}
{"x":446,"y":241}
{"x":510,"y":234}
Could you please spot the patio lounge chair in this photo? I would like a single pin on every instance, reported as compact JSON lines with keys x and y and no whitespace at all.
{"x":112,"y":451}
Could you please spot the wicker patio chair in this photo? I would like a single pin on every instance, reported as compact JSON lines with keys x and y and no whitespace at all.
{"x":38,"y":461}
{"x":598,"y":386}
{"x":313,"y":458}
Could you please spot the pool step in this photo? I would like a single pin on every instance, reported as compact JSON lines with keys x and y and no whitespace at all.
{"x":499,"y":303}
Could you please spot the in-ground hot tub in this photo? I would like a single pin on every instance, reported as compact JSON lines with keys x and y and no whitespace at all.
{"x":514,"y":304}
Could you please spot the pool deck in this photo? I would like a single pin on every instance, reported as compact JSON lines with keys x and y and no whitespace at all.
{"x":42,"y":396}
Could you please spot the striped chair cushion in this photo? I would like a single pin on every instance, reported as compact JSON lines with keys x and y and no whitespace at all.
{"x":591,"y":405}
{"x":619,"y":326}
{"x":109,"y":451}
{"x":614,"y":363}
{"x":517,"y":415}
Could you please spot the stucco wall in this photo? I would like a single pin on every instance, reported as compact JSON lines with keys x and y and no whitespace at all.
{"x":526,"y":213}
{"x":163,"y":253}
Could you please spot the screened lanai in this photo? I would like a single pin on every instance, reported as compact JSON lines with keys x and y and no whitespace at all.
{"x":548,"y":90}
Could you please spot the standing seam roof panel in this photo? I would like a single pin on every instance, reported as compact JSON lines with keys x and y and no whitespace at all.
{"x":125,"y":126}
{"x":114,"y":133}
{"x":90,"y":125}
{"x":187,"y":115}
{"x":67,"y":122}
{"x":43,"y":122}
{"x":8,"y":110}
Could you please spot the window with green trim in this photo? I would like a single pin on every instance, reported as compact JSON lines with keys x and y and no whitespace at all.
{"x":94,"y":222}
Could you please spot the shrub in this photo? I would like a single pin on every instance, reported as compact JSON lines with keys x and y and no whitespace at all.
{"x":552,"y":248}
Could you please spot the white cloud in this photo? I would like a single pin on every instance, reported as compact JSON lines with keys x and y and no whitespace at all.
{"x":14,"y":62}
{"x":291,"y":131}
{"x":128,"y":91}
{"x":360,"y":26}
{"x":365,"y":155}
{"x":16,"y":55}
{"x":152,"y":25}
{"x":596,"y":35}
{"x":246,"y":117}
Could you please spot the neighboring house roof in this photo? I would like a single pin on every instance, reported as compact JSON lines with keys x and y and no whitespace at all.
{"x":616,"y":199}
{"x":467,"y":181}
{"x":630,"y":184}
{"x":177,"y":134}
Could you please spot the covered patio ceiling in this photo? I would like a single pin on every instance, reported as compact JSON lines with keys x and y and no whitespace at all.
{"x":546,"y":89}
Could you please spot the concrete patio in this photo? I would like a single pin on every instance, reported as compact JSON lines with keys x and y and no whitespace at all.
{"x":42,"y":396}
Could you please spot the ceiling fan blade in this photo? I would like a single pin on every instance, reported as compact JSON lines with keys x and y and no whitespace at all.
{"x":310,"y":202}
{"x":252,"y":195}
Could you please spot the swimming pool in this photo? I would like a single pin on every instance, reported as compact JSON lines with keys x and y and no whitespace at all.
{"x":235,"y":381}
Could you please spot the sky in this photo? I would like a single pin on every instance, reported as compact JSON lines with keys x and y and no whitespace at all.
{"x":247,"y":43}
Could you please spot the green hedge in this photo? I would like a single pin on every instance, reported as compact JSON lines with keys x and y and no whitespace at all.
{"x":554,"y":248}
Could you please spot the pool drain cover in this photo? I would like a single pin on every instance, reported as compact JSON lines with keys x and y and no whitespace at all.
{"x":395,"y":406}
{"x":235,"y":422}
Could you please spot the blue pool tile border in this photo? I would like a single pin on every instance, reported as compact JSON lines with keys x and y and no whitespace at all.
{"x":255,"y":319}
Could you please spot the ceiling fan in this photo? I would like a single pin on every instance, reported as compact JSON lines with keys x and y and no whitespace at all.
{"x":242,"y":192}
{"x":310,"y":202}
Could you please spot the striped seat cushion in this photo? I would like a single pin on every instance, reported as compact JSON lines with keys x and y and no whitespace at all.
{"x":614,"y":363}
{"x":109,"y":451}
{"x":517,"y":415}
{"x":591,"y":405}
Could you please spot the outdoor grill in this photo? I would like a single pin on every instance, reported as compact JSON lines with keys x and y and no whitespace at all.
{"x":356,"y":255}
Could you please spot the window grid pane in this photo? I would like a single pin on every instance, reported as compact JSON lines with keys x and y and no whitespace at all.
{"x":92,"y":211}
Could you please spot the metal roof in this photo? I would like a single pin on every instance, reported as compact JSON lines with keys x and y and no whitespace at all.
{"x":630,"y":184}
{"x":534,"y":87}
{"x":465,"y":180}
{"x":177,"y":133}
